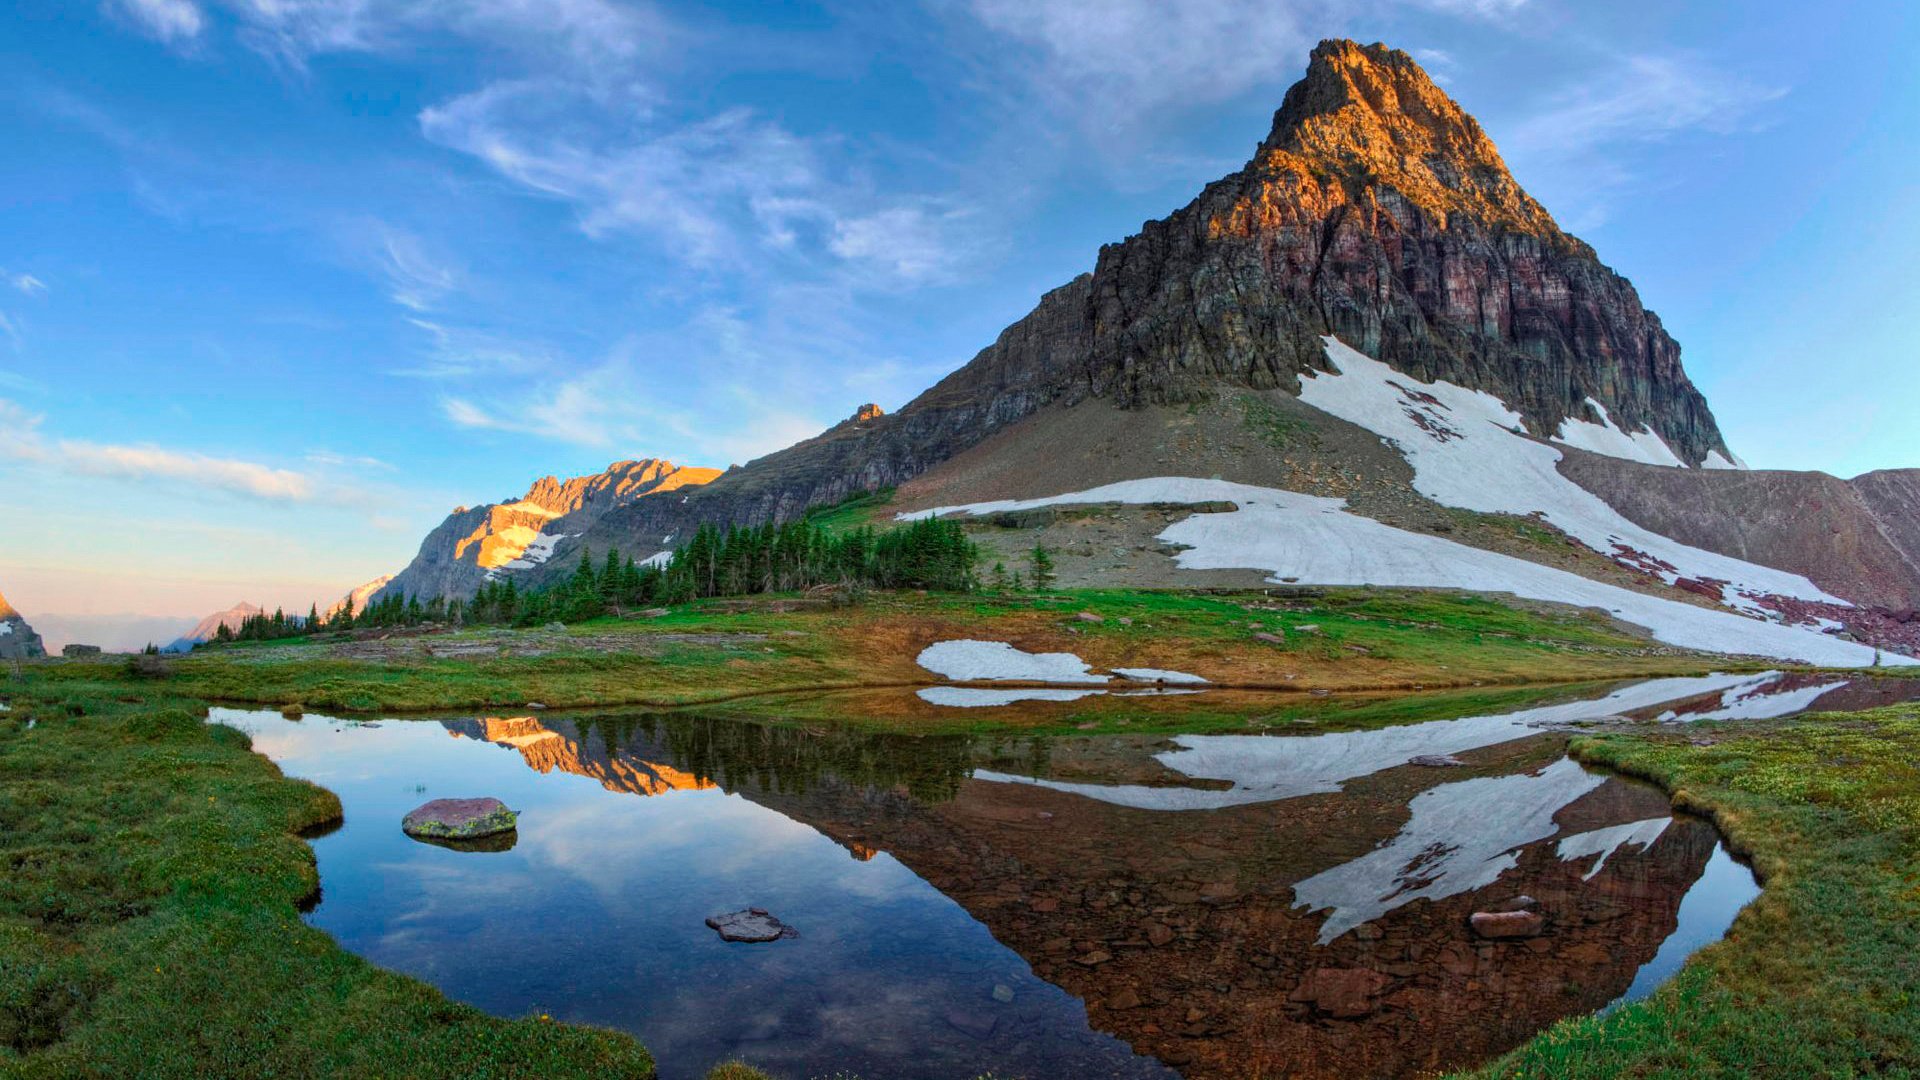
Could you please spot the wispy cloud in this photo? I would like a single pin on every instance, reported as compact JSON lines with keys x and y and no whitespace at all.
{"x":351,"y":461}
{"x":27,"y":443}
{"x":24,"y":283}
{"x":170,"y":21}
{"x":1573,"y":146}
{"x":459,"y":351}
{"x":417,"y":279}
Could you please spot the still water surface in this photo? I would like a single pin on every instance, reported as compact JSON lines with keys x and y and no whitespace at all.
{"x":1111,"y":906}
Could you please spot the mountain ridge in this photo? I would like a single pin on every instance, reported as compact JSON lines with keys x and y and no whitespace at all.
{"x":1236,"y":289}
{"x":475,"y":544}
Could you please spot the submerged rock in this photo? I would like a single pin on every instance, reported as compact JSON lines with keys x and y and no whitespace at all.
{"x":1341,"y":993}
{"x":753,"y":924}
{"x":459,"y":819}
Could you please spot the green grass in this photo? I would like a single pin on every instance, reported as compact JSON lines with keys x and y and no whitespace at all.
{"x":1275,"y":428}
{"x":148,"y":924}
{"x":711,"y":652}
{"x":1820,"y":976}
{"x":854,"y":511}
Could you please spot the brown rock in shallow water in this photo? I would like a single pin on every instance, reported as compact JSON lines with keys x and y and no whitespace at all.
{"x":752,"y":925}
{"x":1342,"y":993}
{"x":459,"y":819}
{"x":1507,"y":924}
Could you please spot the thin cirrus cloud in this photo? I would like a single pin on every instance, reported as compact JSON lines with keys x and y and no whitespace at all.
{"x":147,"y":463}
{"x":170,"y":21}
{"x":717,"y":192}
{"x":1575,"y":147}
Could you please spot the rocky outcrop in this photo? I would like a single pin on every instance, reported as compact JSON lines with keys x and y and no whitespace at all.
{"x":1858,"y":539}
{"x":1375,"y":210}
{"x":17,"y":639}
{"x":476,"y":544}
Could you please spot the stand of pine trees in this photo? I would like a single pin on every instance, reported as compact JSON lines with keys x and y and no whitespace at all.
{"x":928,"y":554}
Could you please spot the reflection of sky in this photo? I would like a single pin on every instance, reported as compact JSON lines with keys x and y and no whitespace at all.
{"x":597,"y":915}
{"x":1706,"y":913}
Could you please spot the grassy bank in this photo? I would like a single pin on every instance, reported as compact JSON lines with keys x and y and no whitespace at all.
{"x":148,"y":923}
{"x":1821,"y":975}
{"x":1334,"y":640}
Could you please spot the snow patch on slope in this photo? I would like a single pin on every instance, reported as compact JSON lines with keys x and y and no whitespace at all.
{"x":538,"y":550}
{"x":1607,"y":438}
{"x":1715,"y":461}
{"x":1469,"y":450}
{"x":997,"y":661}
{"x":1314,"y":540}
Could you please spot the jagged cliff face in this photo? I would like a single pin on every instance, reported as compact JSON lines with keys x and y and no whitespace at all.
{"x":17,"y":639}
{"x":1376,"y":210}
{"x":475,"y":544}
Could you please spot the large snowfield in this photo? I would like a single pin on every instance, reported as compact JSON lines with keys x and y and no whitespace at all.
{"x":1314,"y":540}
{"x":1467,"y":451}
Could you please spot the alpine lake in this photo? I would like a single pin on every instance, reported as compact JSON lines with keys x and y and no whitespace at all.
{"x":1289,"y":900}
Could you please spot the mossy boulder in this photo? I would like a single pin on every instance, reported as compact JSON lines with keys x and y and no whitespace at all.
{"x":459,"y":819}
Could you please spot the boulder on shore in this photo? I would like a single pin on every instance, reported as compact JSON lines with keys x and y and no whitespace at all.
{"x":459,"y":819}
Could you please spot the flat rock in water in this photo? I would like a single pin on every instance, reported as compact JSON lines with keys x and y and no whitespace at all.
{"x":753,"y":924}
{"x":1507,"y":924}
{"x":459,"y":819}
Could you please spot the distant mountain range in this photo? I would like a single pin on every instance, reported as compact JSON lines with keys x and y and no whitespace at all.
{"x":1386,"y":354}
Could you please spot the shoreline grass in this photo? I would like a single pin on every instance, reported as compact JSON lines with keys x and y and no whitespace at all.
{"x":1819,"y":976}
{"x":148,"y":922}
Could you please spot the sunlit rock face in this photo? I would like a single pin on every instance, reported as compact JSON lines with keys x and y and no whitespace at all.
{"x":1375,"y":210}
{"x":17,"y":639}
{"x":477,"y":544}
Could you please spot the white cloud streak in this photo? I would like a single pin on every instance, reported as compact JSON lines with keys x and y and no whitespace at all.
{"x":27,"y":444}
{"x":169,"y":21}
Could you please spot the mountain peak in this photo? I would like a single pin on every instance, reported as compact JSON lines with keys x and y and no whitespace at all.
{"x":6,"y":609}
{"x":1367,"y":116}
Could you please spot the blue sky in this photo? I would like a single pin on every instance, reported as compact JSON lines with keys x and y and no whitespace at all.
{"x":283,"y":281}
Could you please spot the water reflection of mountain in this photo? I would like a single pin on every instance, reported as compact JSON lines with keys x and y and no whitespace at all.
{"x":659,"y":753}
{"x":1195,"y":935}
